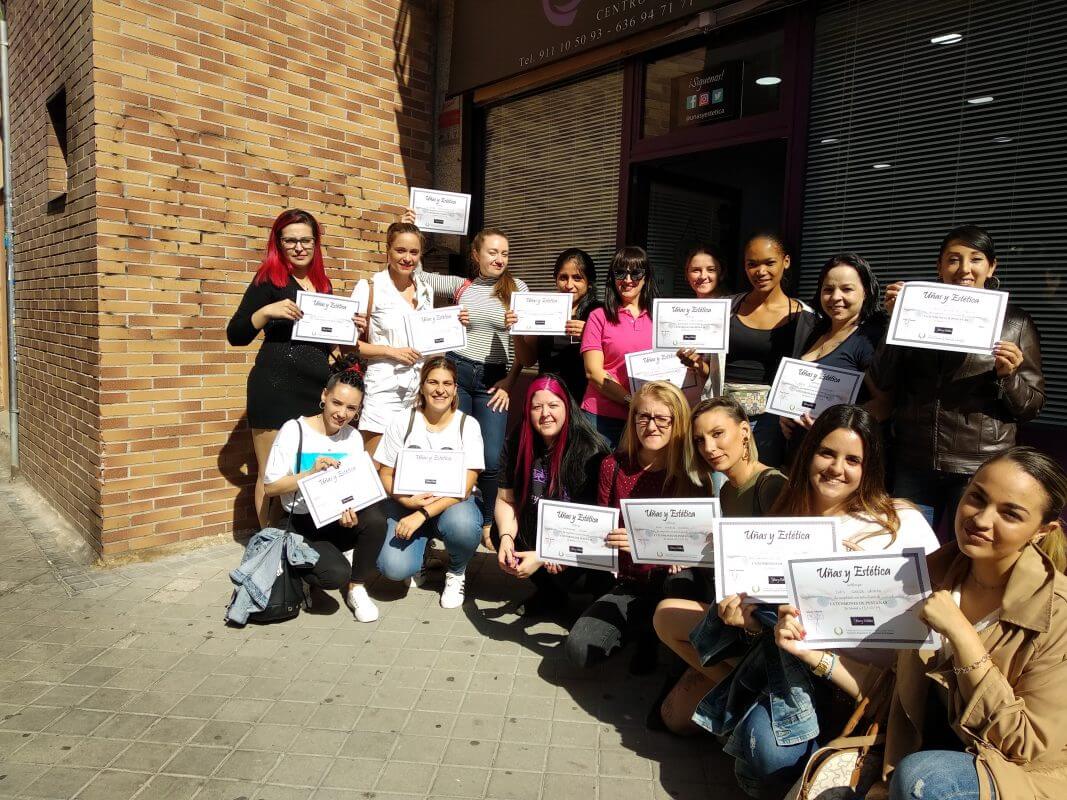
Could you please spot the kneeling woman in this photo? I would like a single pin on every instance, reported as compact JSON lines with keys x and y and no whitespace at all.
{"x":983,"y":716}
{"x":307,"y":445}
{"x":434,"y":424}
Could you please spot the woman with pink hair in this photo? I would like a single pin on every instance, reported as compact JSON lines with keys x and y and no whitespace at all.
{"x":555,"y":454}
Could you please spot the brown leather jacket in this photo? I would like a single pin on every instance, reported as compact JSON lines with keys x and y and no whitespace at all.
{"x":951,"y":411}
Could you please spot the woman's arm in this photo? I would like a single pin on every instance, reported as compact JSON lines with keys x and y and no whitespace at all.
{"x":442,"y":285}
{"x":599,"y":377}
{"x":852,"y":677}
{"x":1023,"y":389}
{"x":255,"y":311}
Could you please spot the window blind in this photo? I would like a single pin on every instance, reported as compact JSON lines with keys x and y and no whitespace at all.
{"x":883,"y":94}
{"x":551,"y":167}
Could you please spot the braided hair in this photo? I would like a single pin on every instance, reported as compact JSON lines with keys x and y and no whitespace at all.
{"x":349,"y":370}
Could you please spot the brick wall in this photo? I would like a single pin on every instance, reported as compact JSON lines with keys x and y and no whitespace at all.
{"x":212,"y":117}
{"x":59,"y":353}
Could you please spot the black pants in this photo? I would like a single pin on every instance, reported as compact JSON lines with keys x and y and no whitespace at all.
{"x":365,"y":539}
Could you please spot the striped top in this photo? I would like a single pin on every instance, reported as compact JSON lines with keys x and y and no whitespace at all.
{"x":488,"y":340}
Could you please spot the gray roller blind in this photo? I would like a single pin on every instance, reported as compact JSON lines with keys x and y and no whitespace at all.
{"x":551,"y":166}
{"x":883,"y":94}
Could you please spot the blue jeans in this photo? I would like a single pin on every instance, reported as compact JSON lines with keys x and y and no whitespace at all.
{"x":459,"y":527}
{"x":770,"y":441}
{"x":935,"y":493}
{"x":759,"y":758}
{"x":472,"y":387}
{"x":935,"y":775}
{"x":609,"y":428}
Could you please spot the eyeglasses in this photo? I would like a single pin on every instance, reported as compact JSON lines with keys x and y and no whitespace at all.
{"x":290,"y":244}
{"x":662,"y":420}
{"x":635,"y":274}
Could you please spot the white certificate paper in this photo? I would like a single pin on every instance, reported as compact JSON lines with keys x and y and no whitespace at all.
{"x":657,"y":365}
{"x":751,"y":553}
{"x":862,"y":600}
{"x":438,"y":472}
{"x":702,"y":325}
{"x":574,"y":534}
{"x":441,"y":212}
{"x":939,"y":316}
{"x":541,"y":313}
{"x":671,"y":531}
{"x":437,"y":330}
{"x":804,"y":386}
{"x":327,"y":318}
{"x":353,"y":485}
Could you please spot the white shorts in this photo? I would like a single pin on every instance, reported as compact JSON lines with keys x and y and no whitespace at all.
{"x":380,"y":407}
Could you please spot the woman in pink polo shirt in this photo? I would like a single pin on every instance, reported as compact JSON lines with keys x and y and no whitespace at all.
{"x":623,"y":325}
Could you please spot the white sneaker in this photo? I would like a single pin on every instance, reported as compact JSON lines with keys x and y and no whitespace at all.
{"x":452,"y":594}
{"x":418,"y":579}
{"x":363,"y":608}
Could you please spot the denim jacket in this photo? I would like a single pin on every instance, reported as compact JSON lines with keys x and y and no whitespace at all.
{"x":763,"y":668}
{"x":260,"y":565}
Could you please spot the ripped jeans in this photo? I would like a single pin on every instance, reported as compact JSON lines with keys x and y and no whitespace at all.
{"x":936,"y":775}
{"x":763,"y":767}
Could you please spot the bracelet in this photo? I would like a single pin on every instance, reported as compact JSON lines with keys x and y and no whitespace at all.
{"x":971,"y":667}
{"x":424,"y":512}
{"x":511,"y":535}
{"x":752,"y":634}
{"x":826,"y":665}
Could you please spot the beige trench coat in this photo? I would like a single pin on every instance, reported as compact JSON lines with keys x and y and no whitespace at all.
{"x":1015,"y":720}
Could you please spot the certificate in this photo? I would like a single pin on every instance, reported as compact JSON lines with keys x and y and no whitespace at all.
{"x":939,"y":316}
{"x":574,"y":534}
{"x":804,"y":386}
{"x":439,"y":472}
{"x":327,"y":318}
{"x":441,"y":212}
{"x":671,"y":531}
{"x":437,"y":330}
{"x":353,"y":485}
{"x":701,"y":325}
{"x":862,"y":600}
{"x":541,"y":313}
{"x":751,"y":553}
{"x":657,"y":365}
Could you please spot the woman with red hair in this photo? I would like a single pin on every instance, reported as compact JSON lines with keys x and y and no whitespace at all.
{"x":287,"y":379}
{"x":554,"y":454}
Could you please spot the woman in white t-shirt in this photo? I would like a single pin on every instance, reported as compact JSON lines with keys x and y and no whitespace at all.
{"x":307,"y":445}
{"x":434,"y":424}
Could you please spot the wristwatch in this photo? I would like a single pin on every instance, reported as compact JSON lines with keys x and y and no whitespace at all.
{"x":825,"y":665}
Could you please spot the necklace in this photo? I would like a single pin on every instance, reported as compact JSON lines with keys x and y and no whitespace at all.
{"x":985,"y":586}
{"x":833,"y":341}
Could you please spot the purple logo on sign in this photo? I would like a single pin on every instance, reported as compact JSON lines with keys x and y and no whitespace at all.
{"x":560,"y":13}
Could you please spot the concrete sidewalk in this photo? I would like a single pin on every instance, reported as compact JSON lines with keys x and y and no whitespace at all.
{"x":125,"y":683}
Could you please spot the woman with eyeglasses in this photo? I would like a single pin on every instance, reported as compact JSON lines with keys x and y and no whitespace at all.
{"x":623,"y":325}
{"x":287,"y":379}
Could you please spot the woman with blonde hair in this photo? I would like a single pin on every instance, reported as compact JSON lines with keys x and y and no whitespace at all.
{"x":654,"y":460}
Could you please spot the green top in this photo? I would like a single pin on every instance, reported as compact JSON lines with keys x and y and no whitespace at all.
{"x":754,"y":497}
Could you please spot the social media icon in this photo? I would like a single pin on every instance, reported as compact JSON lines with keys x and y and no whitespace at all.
{"x":716,"y":96}
{"x":705,"y":98}
{"x":691,"y":101}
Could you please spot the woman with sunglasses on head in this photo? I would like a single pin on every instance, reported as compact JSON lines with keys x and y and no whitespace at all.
{"x":839,"y":472}
{"x":288,"y":376}
{"x":322,"y":441}
{"x":555,"y":454}
{"x":982,"y":716}
{"x":654,"y":460}
{"x":434,"y":424}
{"x":623,"y":325}
{"x":574,"y":274}
{"x":951,"y":411}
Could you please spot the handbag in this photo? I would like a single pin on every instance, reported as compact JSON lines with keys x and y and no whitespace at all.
{"x":287,"y":593}
{"x":848,"y":766}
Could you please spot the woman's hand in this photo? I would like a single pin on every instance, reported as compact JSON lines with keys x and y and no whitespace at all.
{"x":674,"y":569}
{"x":574,"y":328}
{"x":891,"y":292}
{"x":348,"y":518}
{"x":408,"y":216}
{"x":499,"y":399}
{"x":406,"y":527}
{"x":792,"y":426}
{"x":1007,"y":357}
{"x":505,"y":554}
{"x":617,"y":540}
{"x":464,"y":316}
{"x":941,"y":613}
{"x":510,"y":318}
{"x":361,"y":323}
{"x":526,"y":564}
{"x":283,"y":309}
{"x":405,"y":355}
{"x":555,"y":569}
{"x":324,"y":463}
{"x":789,"y":633}
{"x":415,"y":501}
{"x":690,"y":357}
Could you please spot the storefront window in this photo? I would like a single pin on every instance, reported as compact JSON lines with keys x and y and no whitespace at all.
{"x":712,"y":84}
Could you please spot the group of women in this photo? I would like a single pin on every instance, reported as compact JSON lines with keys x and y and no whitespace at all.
{"x":976,"y":718}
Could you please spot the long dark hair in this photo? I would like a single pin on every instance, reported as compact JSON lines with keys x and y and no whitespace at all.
{"x":575,"y":455}
{"x":871,"y":308}
{"x":588,"y":269}
{"x":870,"y":499}
{"x":628,"y":258}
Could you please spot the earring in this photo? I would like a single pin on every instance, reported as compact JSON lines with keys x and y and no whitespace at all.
{"x":748,"y":451}
{"x":322,"y":404}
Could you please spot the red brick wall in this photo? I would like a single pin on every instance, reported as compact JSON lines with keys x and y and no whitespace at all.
{"x":212,"y":117}
{"x":57,"y":295}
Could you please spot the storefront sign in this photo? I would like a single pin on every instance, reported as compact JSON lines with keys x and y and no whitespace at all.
{"x":495,"y":39}
{"x":711,"y":95}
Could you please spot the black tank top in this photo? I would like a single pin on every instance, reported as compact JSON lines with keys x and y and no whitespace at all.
{"x":754,"y":354}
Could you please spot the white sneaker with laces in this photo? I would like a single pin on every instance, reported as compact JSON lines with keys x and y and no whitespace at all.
{"x":363,"y":608}
{"x":453,"y":593}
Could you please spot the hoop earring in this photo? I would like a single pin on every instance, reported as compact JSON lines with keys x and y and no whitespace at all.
{"x":322,"y":404}
{"x":992,"y":282}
